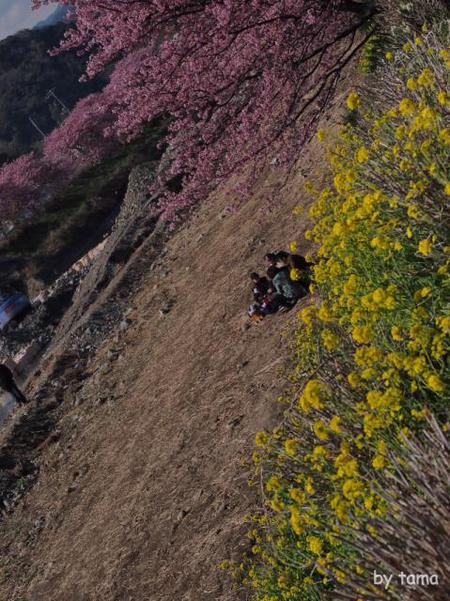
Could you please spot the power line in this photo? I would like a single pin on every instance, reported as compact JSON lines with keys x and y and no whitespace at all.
{"x":35,"y":125}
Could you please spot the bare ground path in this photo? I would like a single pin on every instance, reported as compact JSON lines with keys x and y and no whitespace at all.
{"x":142,"y":496}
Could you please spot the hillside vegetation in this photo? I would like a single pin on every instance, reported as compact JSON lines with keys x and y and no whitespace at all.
{"x":79,"y":215}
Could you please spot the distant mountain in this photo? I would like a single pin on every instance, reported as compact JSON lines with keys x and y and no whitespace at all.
{"x":58,"y":16}
{"x":27,"y":74}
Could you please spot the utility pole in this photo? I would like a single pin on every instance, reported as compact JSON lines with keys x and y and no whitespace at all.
{"x":51,"y":94}
{"x":34,"y":124}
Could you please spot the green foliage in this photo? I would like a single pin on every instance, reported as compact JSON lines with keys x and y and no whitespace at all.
{"x":396,"y":22}
{"x":373,"y":52}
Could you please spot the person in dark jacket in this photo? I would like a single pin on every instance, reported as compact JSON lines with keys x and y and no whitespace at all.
{"x":290,"y":261}
{"x":271,"y":258}
{"x":285,"y":259}
{"x":8,"y":384}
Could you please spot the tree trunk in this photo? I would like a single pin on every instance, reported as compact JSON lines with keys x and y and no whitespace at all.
{"x":358,"y":8}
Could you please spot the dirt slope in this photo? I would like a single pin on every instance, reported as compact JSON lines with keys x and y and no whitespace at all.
{"x":142,"y":492}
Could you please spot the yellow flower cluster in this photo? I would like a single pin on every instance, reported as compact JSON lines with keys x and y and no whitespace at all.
{"x":314,"y":394}
{"x":372,"y":356}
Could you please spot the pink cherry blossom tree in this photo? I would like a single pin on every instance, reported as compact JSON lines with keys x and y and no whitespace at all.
{"x":242,"y":81}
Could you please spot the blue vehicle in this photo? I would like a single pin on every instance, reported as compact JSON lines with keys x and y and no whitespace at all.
{"x":13,"y":306}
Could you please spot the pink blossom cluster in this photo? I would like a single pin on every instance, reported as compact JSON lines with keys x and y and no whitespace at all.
{"x":23,"y":185}
{"x":242,"y":81}
{"x":85,"y":137}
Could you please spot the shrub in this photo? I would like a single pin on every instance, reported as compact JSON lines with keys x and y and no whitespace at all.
{"x":372,"y":375}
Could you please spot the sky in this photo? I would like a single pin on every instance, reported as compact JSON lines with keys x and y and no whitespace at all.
{"x":17,"y":14}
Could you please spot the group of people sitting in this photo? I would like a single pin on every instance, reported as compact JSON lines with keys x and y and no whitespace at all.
{"x":287,"y":279}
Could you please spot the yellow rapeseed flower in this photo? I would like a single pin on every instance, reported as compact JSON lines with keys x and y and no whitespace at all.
{"x":443,"y":98}
{"x":362,"y":334}
{"x":324,"y":313}
{"x":435,"y":383}
{"x":296,"y":521}
{"x":313,"y":396}
{"x":277,"y":505}
{"x":330,"y":340}
{"x":308,"y":315}
{"x":379,"y":462}
{"x":433,"y":169}
{"x":353,"y":101}
{"x":426,"y":78}
{"x":419,"y":415}
{"x":295,"y":274}
{"x":362,"y":156}
{"x":396,"y":334}
{"x":444,"y":324}
{"x":291,"y":447}
{"x":273,"y":484}
{"x":261,"y":439}
{"x":354,"y":379}
{"x":413,"y":211}
{"x":407,"y":107}
{"x":444,"y":135}
{"x":379,"y":295}
{"x":425,"y":292}
{"x":315,"y":545}
{"x":425,"y":247}
{"x":320,"y":452}
{"x":320,"y":430}
{"x":298,"y":496}
{"x":309,"y":486}
{"x":335,"y":424}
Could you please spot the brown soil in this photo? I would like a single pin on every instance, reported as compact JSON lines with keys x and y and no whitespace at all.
{"x":142,"y":490}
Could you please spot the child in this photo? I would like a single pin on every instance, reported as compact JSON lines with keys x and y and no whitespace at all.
{"x":255,"y":312}
{"x":260,"y":288}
